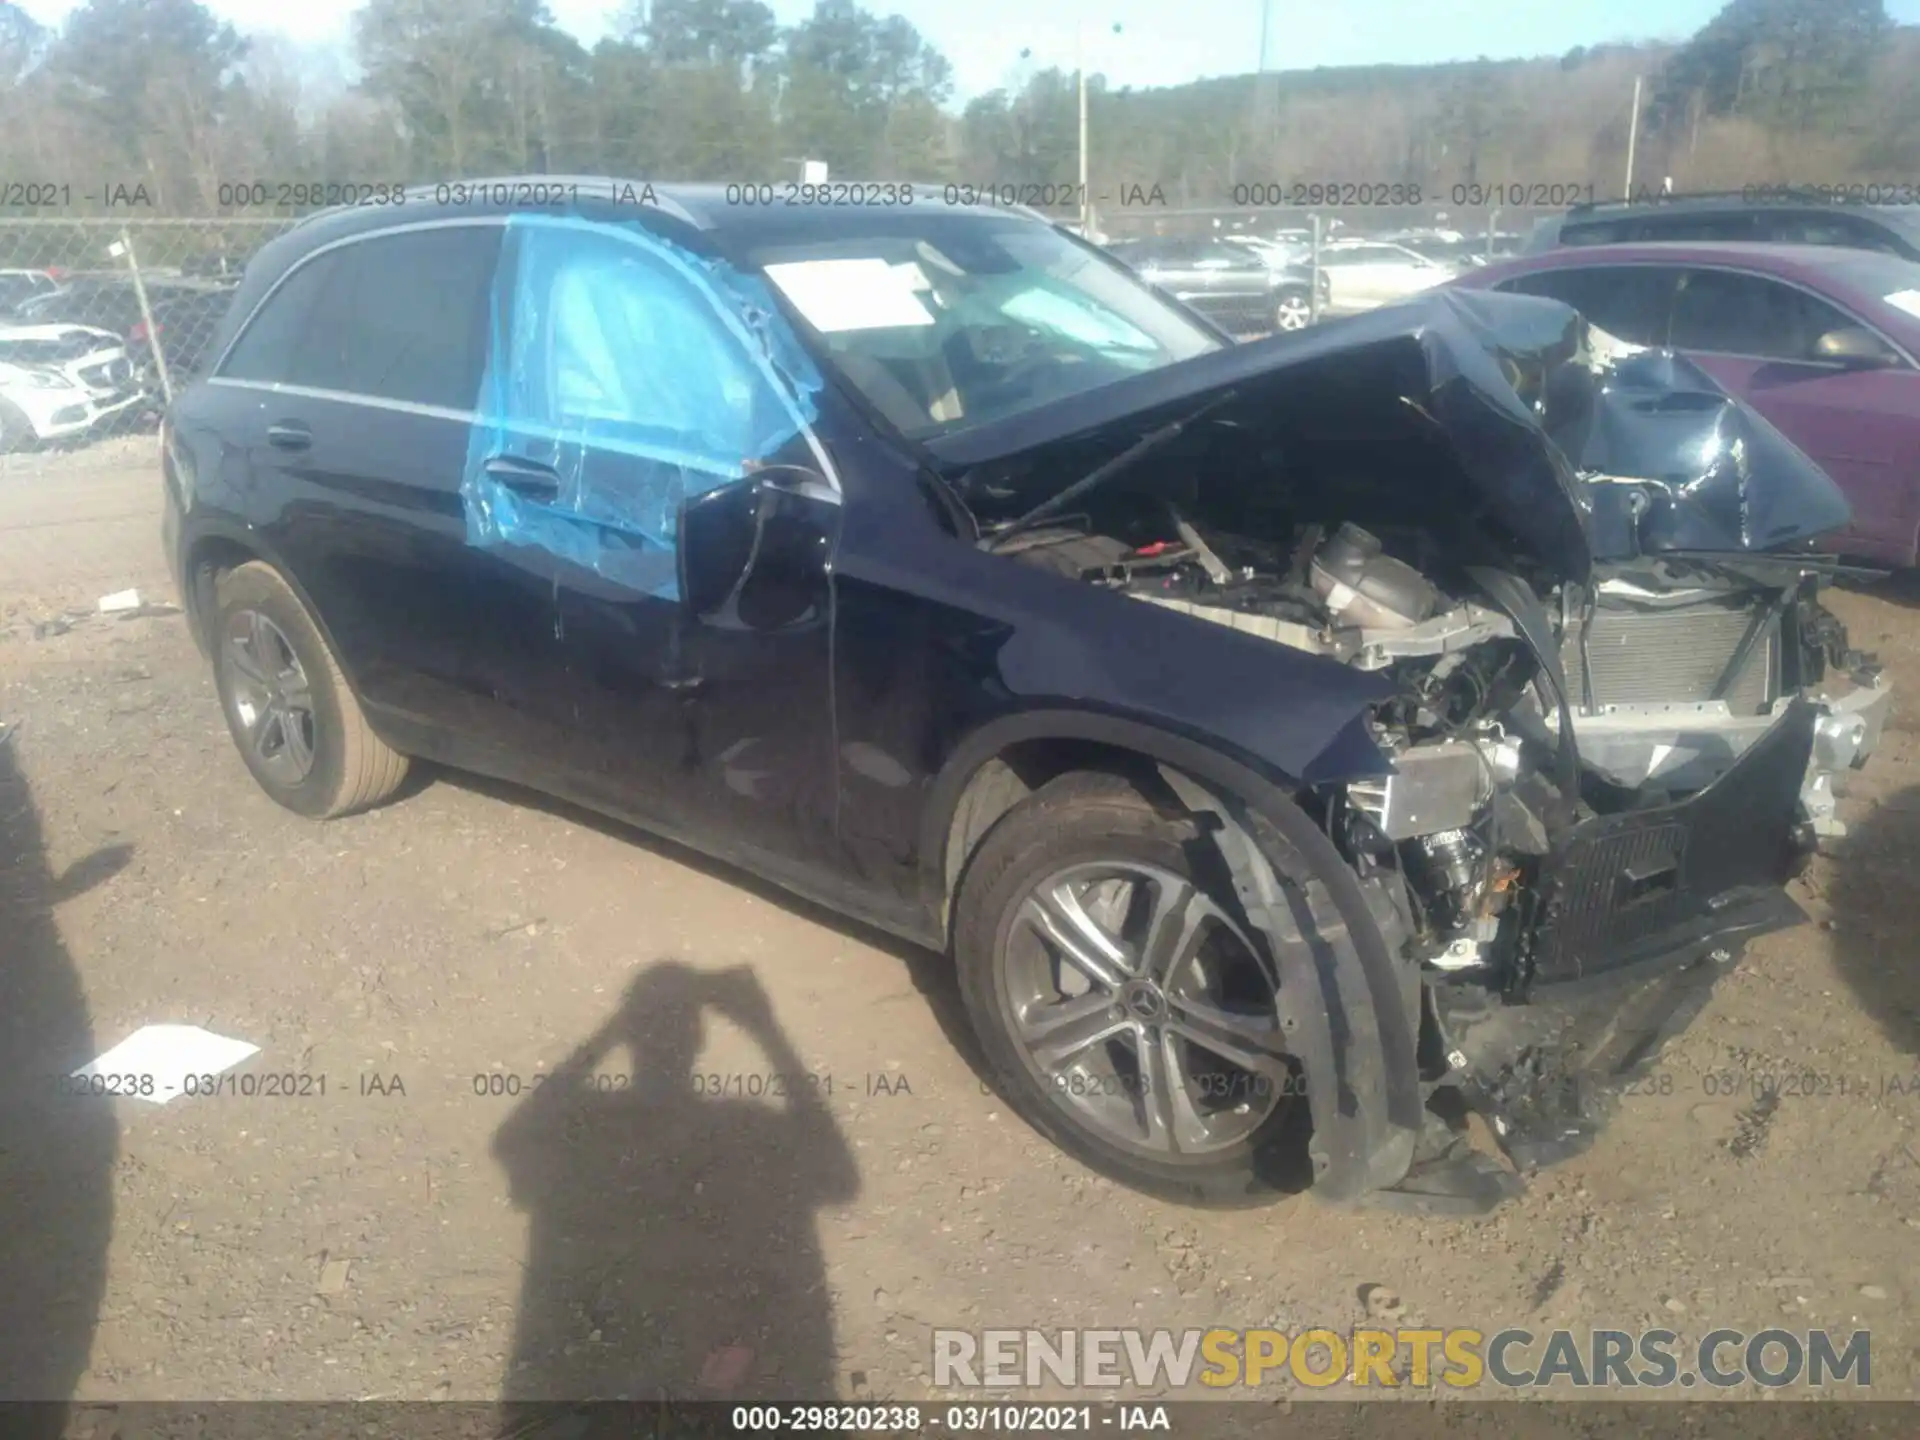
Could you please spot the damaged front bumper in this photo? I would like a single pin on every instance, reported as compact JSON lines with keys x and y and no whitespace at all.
{"x":1685,"y":747}
{"x":1636,"y":915}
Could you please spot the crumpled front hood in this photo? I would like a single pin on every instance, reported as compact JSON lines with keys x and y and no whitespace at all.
{"x":1472,"y":406}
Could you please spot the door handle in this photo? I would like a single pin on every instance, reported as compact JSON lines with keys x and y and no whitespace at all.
{"x":525,"y":477}
{"x":289,"y":435}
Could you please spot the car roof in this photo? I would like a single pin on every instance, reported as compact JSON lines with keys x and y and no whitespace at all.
{"x":1756,"y":198}
{"x":1773,"y":256}
{"x":726,"y":213}
{"x":1830,"y":268}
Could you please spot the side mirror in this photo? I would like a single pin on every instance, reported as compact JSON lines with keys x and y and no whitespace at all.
{"x":1856,"y":346}
{"x":719,"y":533}
{"x":754,"y":553}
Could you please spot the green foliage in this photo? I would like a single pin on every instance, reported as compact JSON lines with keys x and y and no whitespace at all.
{"x":160,"y":92}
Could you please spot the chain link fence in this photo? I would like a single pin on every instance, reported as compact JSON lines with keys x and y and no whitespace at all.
{"x":101,"y":321}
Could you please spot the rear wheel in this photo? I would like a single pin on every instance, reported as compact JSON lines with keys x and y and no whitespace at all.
{"x":1293,"y":311}
{"x":289,"y":709}
{"x":1122,"y":1003}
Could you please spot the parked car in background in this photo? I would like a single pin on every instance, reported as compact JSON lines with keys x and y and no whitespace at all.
{"x":1238,"y":289}
{"x":1760,"y":215}
{"x":1275,"y":254}
{"x":1208,"y":705}
{"x":17,"y":286}
{"x":62,"y":381}
{"x":1822,"y":341}
{"x":1364,"y":274}
{"x":185,"y":313}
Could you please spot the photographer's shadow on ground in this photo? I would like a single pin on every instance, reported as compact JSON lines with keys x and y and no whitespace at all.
{"x":57,"y":1147}
{"x":673,"y":1249}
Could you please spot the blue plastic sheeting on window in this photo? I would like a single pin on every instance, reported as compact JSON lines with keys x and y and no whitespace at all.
{"x":640,"y":376}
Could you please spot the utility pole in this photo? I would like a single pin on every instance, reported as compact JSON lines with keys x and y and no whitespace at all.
{"x":1633,"y":136}
{"x":1080,"y":68}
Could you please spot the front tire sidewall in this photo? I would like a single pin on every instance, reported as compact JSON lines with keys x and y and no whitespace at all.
{"x":253,"y":588}
{"x":1253,"y":1172}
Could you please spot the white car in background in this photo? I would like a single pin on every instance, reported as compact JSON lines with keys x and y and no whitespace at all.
{"x":59,"y":381}
{"x":1365,"y":274}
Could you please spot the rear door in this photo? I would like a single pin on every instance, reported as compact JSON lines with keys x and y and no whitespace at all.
{"x":1757,"y":336}
{"x":347,"y":405}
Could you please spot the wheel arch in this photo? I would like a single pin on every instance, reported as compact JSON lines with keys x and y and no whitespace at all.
{"x":1359,"y":1042}
{"x":215,"y":550}
{"x":1003,"y":762}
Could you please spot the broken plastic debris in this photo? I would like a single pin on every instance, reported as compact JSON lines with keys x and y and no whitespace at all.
{"x":333,"y":1277}
{"x":154,"y":1063}
{"x":120,"y":600}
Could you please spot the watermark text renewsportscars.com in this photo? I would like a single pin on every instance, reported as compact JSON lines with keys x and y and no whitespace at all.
{"x":1456,"y":1358}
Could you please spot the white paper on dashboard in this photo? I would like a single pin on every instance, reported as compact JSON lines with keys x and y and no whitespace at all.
{"x":841,"y":295}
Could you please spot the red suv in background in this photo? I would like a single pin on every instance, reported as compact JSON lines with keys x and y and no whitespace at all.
{"x":1822,"y":341}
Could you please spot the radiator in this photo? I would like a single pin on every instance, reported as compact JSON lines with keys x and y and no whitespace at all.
{"x":1652,"y":657}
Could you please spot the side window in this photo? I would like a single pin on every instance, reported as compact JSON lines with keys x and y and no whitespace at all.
{"x":636,"y":383}
{"x":1629,"y":302}
{"x":1733,"y":314}
{"x":1695,"y":227}
{"x":405,"y":317}
{"x":1601,"y":232}
{"x":270,"y":342}
{"x":1791,"y":229}
{"x":610,"y":338}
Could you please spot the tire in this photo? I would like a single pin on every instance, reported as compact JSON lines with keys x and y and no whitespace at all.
{"x":1095,"y":1107}
{"x":260,"y":629}
{"x":1293,"y":312}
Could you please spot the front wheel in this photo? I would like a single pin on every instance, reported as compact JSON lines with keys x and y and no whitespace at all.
{"x":1123,"y":1006}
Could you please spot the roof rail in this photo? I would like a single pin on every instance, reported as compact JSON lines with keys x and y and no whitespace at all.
{"x":1763,"y":194}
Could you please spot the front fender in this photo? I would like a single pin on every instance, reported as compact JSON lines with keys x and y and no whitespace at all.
{"x":1351,"y":1015}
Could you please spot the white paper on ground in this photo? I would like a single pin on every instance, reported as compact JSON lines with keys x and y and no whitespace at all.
{"x":1907,"y":300}
{"x":841,"y":295}
{"x":168,"y":1053}
{"x":121,"y":600}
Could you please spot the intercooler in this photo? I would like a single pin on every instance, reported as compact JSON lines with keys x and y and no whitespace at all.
{"x":1677,"y":655}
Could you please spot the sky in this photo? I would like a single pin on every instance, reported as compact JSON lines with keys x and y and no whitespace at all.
{"x":1161,"y":42}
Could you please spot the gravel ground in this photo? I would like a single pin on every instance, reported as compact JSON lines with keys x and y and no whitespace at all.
{"x":411,"y":1233}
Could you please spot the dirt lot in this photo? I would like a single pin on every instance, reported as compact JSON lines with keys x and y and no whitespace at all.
{"x":405,"y":1236}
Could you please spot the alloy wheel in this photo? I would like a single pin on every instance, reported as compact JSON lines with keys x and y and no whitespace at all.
{"x":271,"y":698}
{"x":1143,"y":1008}
{"x":1294,"y":313}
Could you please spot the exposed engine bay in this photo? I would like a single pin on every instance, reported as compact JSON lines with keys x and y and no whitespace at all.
{"x":1604,"y":707}
{"x":1668,"y":669}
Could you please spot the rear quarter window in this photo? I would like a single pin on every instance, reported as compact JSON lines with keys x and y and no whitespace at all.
{"x":402,"y":317}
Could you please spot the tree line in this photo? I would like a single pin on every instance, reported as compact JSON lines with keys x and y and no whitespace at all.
{"x":161,"y":94}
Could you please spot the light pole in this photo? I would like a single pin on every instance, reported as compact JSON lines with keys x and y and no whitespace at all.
{"x":1080,"y":81}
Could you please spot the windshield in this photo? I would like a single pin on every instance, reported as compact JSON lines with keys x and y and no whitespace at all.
{"x":962,"y":320}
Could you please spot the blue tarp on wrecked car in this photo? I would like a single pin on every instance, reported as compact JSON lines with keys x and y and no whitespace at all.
{"x":636,"y":374}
